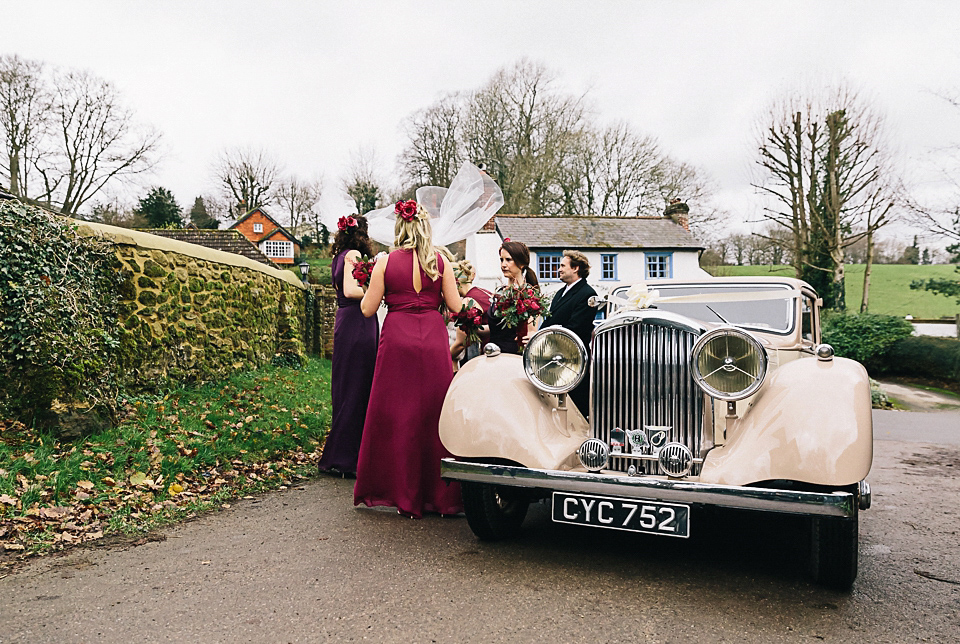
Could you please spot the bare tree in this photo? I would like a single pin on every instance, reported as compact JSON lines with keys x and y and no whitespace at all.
{"x":24,"y":117}
{"x":740,"y":248}
{"x":821,"y":162}
{"x":247,"y":178}
{"x":943,"y":219}
{"x":522,"y":127}
{"x":115,"y":213}
{"x":297,"y":197}
{"x":71,"y":131}
{"x":539,"y":142}
{"x":362,"y":181}
{"x":630,"y":172}
{"x":97,"y":141}
{"x":434,"y":154}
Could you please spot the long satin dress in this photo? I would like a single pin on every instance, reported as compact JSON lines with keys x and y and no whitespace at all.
{"x":401,"y":451}
{"x":354,"y":357}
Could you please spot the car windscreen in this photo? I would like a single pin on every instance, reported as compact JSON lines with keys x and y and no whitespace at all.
{"x":773,"y":316}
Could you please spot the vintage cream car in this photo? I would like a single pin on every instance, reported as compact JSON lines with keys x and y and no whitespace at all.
{"x":708,"y":393}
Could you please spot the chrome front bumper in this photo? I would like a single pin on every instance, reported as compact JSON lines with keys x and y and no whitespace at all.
{"x":834,"y":504}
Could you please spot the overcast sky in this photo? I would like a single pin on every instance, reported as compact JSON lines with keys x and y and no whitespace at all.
{"x":312,"y":81}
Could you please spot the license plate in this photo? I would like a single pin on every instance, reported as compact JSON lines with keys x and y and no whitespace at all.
{"x":635,"y":515}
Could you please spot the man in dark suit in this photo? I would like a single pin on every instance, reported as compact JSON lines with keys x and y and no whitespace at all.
{"x":569,"y":309}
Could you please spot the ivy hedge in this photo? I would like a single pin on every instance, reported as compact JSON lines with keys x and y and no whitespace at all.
{"x":58,"y":318}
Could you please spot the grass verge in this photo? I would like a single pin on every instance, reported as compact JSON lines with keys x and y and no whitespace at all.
{"x":172,"y":457}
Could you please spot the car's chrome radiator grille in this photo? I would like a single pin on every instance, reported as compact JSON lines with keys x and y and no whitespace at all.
{"x":640,"y":378}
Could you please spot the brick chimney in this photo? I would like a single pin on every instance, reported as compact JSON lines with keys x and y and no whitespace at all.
{"x":679,"y":212}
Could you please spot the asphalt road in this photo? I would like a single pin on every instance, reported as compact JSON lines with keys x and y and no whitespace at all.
{"x":304,"y":565}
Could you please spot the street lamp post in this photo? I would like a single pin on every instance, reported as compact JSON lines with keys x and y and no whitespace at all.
{"x":304,"y":269}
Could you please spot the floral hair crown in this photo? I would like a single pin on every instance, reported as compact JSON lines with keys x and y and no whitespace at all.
{"x":347,"y":222}
{"x":408,"y":210}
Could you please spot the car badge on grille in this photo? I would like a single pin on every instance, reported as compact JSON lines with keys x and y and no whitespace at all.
{"x":617,"y":437}
{"x":658,"y":434}
{"x":637,"y":439}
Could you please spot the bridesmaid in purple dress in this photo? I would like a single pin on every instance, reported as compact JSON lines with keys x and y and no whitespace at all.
{"x":401,"y":451}
{"x":354,"y":352}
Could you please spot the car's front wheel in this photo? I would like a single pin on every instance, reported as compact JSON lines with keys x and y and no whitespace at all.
{"x":494,"y":512}
{"x":834,"y":550}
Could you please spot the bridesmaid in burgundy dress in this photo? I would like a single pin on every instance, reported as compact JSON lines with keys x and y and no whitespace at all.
{"x":465,"y":274}
{"x":515,"y":266}
{"x":354,"y":351}
{"x":401,"y":451}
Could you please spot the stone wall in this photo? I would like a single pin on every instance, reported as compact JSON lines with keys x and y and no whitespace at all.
{"x":321,"y":318}
{"x":192,"y":314}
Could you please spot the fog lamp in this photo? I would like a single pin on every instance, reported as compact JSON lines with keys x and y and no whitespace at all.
{"x":675,"y":459}
{"x":593,"y":454}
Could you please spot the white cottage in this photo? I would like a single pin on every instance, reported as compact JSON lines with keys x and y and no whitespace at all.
{"x":620,"y":249}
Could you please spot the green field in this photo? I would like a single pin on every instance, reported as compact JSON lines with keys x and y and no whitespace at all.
{"x":890,"y":291}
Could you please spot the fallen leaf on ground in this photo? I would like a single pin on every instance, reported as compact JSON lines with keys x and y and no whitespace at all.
{"x":137,"y":478}
{"x":53,"y":513}
{"x":86,"y":485}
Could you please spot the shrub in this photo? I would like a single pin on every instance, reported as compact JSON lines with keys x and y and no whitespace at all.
{"x":58,"y":316}
{"x":923,"y":357}
{"x":864,"y":337}
{"x":878,"y":396}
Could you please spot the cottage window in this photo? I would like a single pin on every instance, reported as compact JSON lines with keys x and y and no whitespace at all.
{"x":278,"y":249}
{"x":659,"y":265}
{"x":548,"y":265}
{"x":608,"y":266}
{"x":258,"y":228}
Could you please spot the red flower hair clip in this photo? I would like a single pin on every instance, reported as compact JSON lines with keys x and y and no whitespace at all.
{"x":347,"y":222}
{"x":406,"y":209}
{"x":506,"y":239}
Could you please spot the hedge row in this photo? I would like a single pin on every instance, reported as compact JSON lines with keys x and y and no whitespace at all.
{"x":922,"y":357}
{"x":885,"y":345}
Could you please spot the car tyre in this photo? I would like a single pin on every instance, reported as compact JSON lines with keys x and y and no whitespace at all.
{"x":494,"y":512}
{"x":834,"y":550}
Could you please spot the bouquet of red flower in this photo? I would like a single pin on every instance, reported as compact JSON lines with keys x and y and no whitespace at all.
{"x":362,"y":270}
{"x":516,"y":305}
{"x":469,"y":320}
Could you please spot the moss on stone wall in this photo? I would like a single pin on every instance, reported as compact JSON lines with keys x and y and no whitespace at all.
{"x":192,"y":320}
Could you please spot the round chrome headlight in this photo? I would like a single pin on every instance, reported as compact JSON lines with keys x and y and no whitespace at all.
{"x":728,"y":363}
{"x":555,"y":360}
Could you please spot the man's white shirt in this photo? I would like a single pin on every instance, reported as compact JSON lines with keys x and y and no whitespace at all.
{"x":567,"y":287}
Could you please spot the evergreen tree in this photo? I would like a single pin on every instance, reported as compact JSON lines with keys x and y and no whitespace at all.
{"x":159,"y":208}
{"x":199,"y":216}
{"x":911,"y":254}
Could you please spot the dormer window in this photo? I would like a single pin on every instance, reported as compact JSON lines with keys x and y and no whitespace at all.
{"x":258,"y":228}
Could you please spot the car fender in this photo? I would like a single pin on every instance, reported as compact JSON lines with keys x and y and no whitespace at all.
{"x":491,"y":411}
{"x":811,"y":422}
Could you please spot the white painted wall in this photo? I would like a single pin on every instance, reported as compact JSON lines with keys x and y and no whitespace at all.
{"x":631,"y":268}
{"x":483,"y":250}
